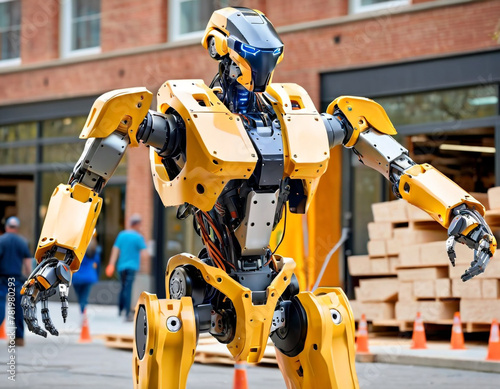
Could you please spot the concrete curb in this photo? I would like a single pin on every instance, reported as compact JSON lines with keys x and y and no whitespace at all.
{"x":448,"y":363}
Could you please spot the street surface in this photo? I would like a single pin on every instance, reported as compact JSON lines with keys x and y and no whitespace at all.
{"x":60,"y":362}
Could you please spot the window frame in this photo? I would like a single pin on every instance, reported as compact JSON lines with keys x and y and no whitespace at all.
{"x":174,"y":25}
{"x":13,"y":61}
{"x":65,"y":33}
{"x":355,"y":6}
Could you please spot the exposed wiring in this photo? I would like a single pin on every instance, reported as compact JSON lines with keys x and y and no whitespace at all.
{"x":343,"y":238}
{"x":282,"y":235}
{"x":206,"y":223}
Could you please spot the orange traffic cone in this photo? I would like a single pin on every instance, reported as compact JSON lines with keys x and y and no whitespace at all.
{"x":494,"y":343}
{"x":85,"y":334}
{"x":362,"y":339}
{"x":457,"y":335}
{"x":3,"y":335}
{"x":418,"y":339}
{"x":240,"y":380}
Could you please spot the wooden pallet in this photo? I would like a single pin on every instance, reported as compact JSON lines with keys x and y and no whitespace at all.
{"x":405,"y":326}
{"x":122,"y":342}
{"x":208,"y":351}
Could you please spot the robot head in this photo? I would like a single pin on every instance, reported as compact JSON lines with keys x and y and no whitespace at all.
{"x":250,"y":41}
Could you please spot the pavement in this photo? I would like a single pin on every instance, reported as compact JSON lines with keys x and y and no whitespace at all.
{"x":61,"y":362}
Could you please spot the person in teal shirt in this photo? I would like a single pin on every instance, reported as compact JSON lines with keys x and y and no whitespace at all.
{"x":128,"y":249}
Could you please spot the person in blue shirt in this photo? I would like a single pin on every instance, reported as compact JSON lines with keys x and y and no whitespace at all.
{"x":15,"y":259}
{"x":128,"y":249}
{"x":87,"y":276}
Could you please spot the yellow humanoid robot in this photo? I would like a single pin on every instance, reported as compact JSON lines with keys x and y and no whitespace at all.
{"x":235,"y":154}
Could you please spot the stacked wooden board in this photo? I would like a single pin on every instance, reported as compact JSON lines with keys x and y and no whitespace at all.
{"x":420,"y":276}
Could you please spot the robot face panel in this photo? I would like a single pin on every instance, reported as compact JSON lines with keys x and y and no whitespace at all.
{"x":251,"y":42}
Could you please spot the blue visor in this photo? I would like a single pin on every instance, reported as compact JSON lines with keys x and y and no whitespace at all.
{"x":261,"y":61}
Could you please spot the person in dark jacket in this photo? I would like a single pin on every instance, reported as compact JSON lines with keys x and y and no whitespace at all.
{"x":87,"y":276}
{"x":15,"y":266}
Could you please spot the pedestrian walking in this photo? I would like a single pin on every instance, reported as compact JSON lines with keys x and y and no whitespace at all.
{"x":87,"y":276}
{"x":126,"y":253}
{"x":15,"y":266}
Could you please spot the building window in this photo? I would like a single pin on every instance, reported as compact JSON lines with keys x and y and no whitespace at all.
{"x":450,"y":105}
{"x":358,"y":6}
{"x":10,"y":28}
{"x":80,"y":27}
{"x":188,"y":18}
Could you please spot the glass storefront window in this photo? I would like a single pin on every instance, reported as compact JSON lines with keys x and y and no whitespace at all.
{"x":18,"y":155}
{"x":17,"y":132}
{"x":66,"y":127}
{"x":66,"y":153}
{"x":442,"y":106}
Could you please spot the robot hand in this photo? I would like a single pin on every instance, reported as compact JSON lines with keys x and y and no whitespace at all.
{"x":469,"y":228}
{"x":41,"y":284}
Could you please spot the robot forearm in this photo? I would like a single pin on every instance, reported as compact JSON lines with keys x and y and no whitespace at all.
{"x":73,"y":209}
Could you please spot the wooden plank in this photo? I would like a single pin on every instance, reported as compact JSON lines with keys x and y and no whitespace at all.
{"x":470,"y":289}
{"x":431,"y":310}
{"x":483,"y":198}
{"x":380,"y":231}
{"x":490,"y":289}
{"x":393,"y":264}
{"x":479,"y":310}
{"x":390,"y":211}
{"x":380,"y":266}
{"x":429,"y":273}
{"x":424,"y":289}
{"x":376,"y":248}
{"x":405,"y":291}
{"x":359,"y":265}
{"x":378,"y":290}
{"x":494,"y":197}
{"x":409,"y":256}
{"x":393,"y":247}
{"x":443,"y":288}
{"x":372,"y":311}
{"x":416,"y":236}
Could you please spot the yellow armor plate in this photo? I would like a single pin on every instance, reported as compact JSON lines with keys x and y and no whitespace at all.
{"x":362,"y":113}
{"x":305,"y":140}
{"x":218,"y":148}
{"x":70,"y":221}
{"x":121,"y":109}
{"x":254,"y":321}
{"x":430,"y":190}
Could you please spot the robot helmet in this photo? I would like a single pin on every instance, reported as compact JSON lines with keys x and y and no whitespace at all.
{"x":250,"y":41}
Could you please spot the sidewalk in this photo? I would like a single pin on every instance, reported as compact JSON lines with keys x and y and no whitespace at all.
{"x":438,"y":354}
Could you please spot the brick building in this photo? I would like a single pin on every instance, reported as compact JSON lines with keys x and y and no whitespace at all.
{"x":434,"y":66}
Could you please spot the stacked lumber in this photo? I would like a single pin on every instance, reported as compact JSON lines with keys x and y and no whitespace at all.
{"x":421,"y":273}
{"x":396,"y":225}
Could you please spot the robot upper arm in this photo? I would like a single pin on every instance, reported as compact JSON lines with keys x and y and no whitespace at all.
{"x":363,"y":125}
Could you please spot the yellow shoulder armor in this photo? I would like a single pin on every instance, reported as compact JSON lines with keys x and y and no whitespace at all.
{"x":122,"y":109}
{"x":305,"y":140}
{"x":218,"y":148}
{"x":362,"y":113}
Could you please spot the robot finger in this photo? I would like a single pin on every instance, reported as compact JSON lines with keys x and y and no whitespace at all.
{"x":450,"y":249}
{"x":63,"y":295}
{"x":28,"y":304}
{"x":481,"y":260}
{"x":47,"y":321}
